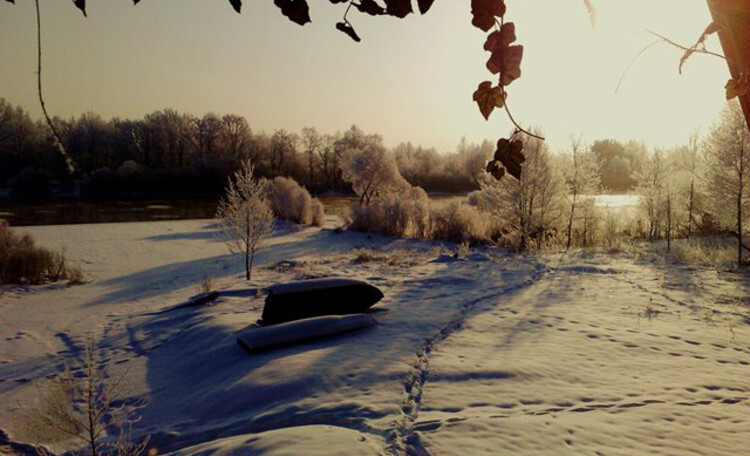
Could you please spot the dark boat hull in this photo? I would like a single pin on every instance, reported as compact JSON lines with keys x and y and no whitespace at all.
{"x":312,"y":298}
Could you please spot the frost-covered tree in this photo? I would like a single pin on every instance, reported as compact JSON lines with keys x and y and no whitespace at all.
{"x":581,"y":177}
{"x":728,"y":148}
{"x":372,"y":171}
{"x":81,"y":412}
{"x":245,"y":215}
{"x":689,"y":164}
{"x":650,"y":188}
{"x":531,"y":207}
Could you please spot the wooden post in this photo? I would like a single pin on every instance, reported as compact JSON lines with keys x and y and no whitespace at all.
{"x":733,"y":18}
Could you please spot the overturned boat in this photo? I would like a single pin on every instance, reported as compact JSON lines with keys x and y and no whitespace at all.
{"x":312,"y":298}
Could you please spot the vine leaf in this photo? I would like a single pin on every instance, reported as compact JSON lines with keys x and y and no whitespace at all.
{"x":370,"y":7}
{"x":398,"y":8}
{"x":512,"y":58}
{"x":424,"y":5}
{"x":736,"y":88}
{"x":349,"y":30}
{"x":135,"y":2}
{"x":510,"y":154}
{"x":296,"y":10}
{"x":501,"y":39}
{"x":488,"y":98}
{"x":11,"y":1}
{"x":81,"y":5}
{"x":495,"y":169}
{"x":236,"y":4}
{"x":485,"y":11}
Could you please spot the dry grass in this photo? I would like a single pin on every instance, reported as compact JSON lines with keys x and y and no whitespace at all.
{"x":206,"y":285}
{"x":718,"y":252}
{"x":393,"y":258}
{"x":23,"y":262}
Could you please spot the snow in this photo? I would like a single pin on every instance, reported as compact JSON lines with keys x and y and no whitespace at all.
{"x":491,"y":353}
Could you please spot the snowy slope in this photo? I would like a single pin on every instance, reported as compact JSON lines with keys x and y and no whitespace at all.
{"x":489,"y":354}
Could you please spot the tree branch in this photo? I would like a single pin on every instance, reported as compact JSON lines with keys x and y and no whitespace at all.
{"x":58,"y":140}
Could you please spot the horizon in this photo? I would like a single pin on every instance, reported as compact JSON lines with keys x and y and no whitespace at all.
{"x":84,"y":70}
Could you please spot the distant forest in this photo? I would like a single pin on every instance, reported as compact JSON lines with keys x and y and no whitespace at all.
{"x":167,"y":153}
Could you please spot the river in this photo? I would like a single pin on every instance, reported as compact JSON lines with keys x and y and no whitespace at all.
{"x":65,"y":212}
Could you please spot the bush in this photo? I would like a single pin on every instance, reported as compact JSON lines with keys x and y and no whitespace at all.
{"x":290,"y":201}
{"x":319,"y":213}
{"x":22,"y":262}
{"x":413,"y":215}
{"x":403,"y":215}
{"x":459,"y":222}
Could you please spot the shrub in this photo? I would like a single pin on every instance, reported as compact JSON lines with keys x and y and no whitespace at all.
{"x":459,"y":222}
{"x":21,"y":261}
{"x":290,"y":201}
{"x":403,"y":215}
{"x":319,"y":213}
{"x":412,"y":214}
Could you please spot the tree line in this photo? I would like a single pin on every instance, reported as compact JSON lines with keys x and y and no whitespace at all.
{"x":171,"y":153}
{"x":168,"y":152}
{"x":697,"y":189}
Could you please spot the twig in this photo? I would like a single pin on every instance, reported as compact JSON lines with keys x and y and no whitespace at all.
{"x":58,"y":140}
{"x":685,"y":48}
{"x":510,"y":116}
{"x":632,"y":61}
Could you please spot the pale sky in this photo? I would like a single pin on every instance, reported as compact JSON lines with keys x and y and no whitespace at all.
{"x":409,"y":80}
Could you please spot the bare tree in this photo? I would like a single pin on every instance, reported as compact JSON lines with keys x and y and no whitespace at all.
{"x":581,"y":176}
{"x":312,"y":142}
{"x":81,"y":412}
{"x":235,"y":134}
{"x":729,"y":154}
{"x":245,"y":215}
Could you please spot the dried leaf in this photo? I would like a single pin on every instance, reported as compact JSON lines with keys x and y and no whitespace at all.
{"x":349,"y":30}
{"x":296,"y":10}
{"x":592,"y":11}
{"x":512,"y":58}
{"x":488,"y":98}
{"x":495,"y":169}
{"x":510,"y":154}
{"x":424,"y":5}
{"x":502,"y":38}
{"x":713,"y":27}
{"x":484,"y":13}
{"x":398,"y":8}
{"x":370,"y":7}
{"x":11,"y":1}
{"x":236,"y":4}
{"x":81,"y":5}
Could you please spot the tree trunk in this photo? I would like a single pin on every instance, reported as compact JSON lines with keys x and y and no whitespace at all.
{"x":739,"y":212}
{"x":669,"y":223}
{"x":690,"y":208}
{"x":570,"y":221}
{"x":248,"y":264}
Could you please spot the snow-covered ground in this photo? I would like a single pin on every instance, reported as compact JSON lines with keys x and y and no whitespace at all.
{"x":489,"y":354}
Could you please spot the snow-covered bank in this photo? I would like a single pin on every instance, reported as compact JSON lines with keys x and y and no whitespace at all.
{"x":490,"y":354}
